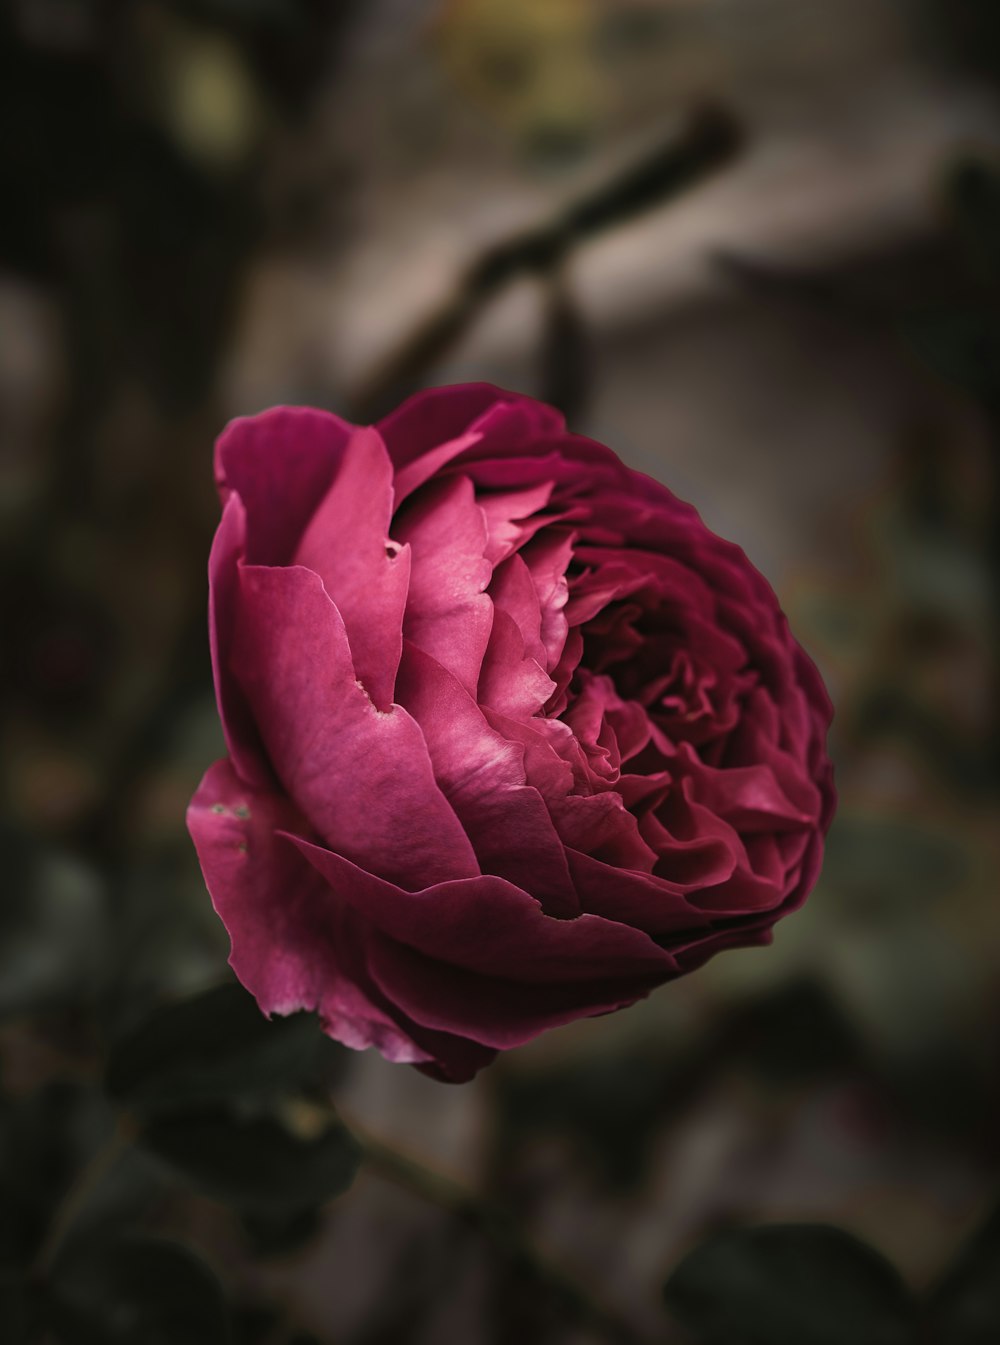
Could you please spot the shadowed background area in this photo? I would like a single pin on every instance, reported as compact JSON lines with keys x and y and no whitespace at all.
{"x":753,"y":245}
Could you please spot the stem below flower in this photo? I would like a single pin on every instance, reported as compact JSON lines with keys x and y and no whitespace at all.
{"x":500,"y":1230}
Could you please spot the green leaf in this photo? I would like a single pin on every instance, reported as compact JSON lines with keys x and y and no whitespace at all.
{"x":255,"y":1164}
{"x":966,"y":1306}
{"x":217,"y":1047}
{"x":137,"y":1291}
{"x":789,"y":1284}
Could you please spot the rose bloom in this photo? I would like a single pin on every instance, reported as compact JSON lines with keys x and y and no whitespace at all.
{"x":513,"y":737}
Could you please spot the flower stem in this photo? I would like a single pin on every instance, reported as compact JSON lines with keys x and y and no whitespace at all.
{"x":501,"y":1231}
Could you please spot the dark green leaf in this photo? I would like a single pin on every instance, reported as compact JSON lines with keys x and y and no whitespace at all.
{"x":966,"y":1306}
{"x":137,"y":1291}
{"x":216,"y":1047}
{"x":794,"y":1284}
{"x":257,"y":1164}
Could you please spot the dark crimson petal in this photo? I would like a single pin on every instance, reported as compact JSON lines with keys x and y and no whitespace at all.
{"x":652,"y":904}
{"x":489,"y":926}
{"x":497,"y":1011}
{"x":434,"y":418}
{"x":526,"y":972}
{"x":361,"y":776}
{"x":440,"y":426}
{"x":347,"y":544}
{"x":513,"y":422}
{"x":748,"y":797}
{"x":601,"y":825}
{"x":738,"y":934}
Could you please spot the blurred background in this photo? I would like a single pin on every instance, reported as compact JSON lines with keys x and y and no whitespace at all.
{"x":754,"y":245}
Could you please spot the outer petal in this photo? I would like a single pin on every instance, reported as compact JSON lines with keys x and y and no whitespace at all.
{"x":638,"y":899}
{"x":280,"y":464}
{"x":362,"y":777}
{"x":242,"y":738}
{"x":497,"y":1011}
{"x":441,"y":425}
{"x":434,"y":417}
{"x":489,"y":926}
{"x":288,"y":946}
{"x":479,"y":957}
{"x":347,"y":544}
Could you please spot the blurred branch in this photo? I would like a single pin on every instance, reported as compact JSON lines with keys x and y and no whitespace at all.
{"x":565,"y":356}
{"x":87,"y":1182}
{"x":710,"y":139}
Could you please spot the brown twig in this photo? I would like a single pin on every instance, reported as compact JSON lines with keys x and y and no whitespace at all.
{"x":710,"y":139}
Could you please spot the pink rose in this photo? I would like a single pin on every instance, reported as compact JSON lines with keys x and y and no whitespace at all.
{"x":513,"y":738}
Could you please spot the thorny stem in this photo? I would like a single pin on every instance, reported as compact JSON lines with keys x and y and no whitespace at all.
{"x":501,"y":1231}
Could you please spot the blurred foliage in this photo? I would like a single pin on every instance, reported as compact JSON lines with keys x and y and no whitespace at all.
{"x":789,"y":1285}
{"x":532,"y":64}
{"x":216,"y":1048}
{"x":965,"y":1307}
{"x":137,"y":1291}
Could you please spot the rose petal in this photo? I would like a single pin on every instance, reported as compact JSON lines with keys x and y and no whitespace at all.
{"x":347,"y":544}
{"x":280,"y":464}
{"x":488,"y":925}
{"x":496,"y":1011}
{"x":241,"y":733}
{"x":511,"y":682}
{"x":512,"y":518}
{"x":481,"y":958}
{"x":482,"y":776}
{"x":513,"y":592}
{"x":361,"y":776}
{"x":288,"y":947}
{"x":448,"y":614}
